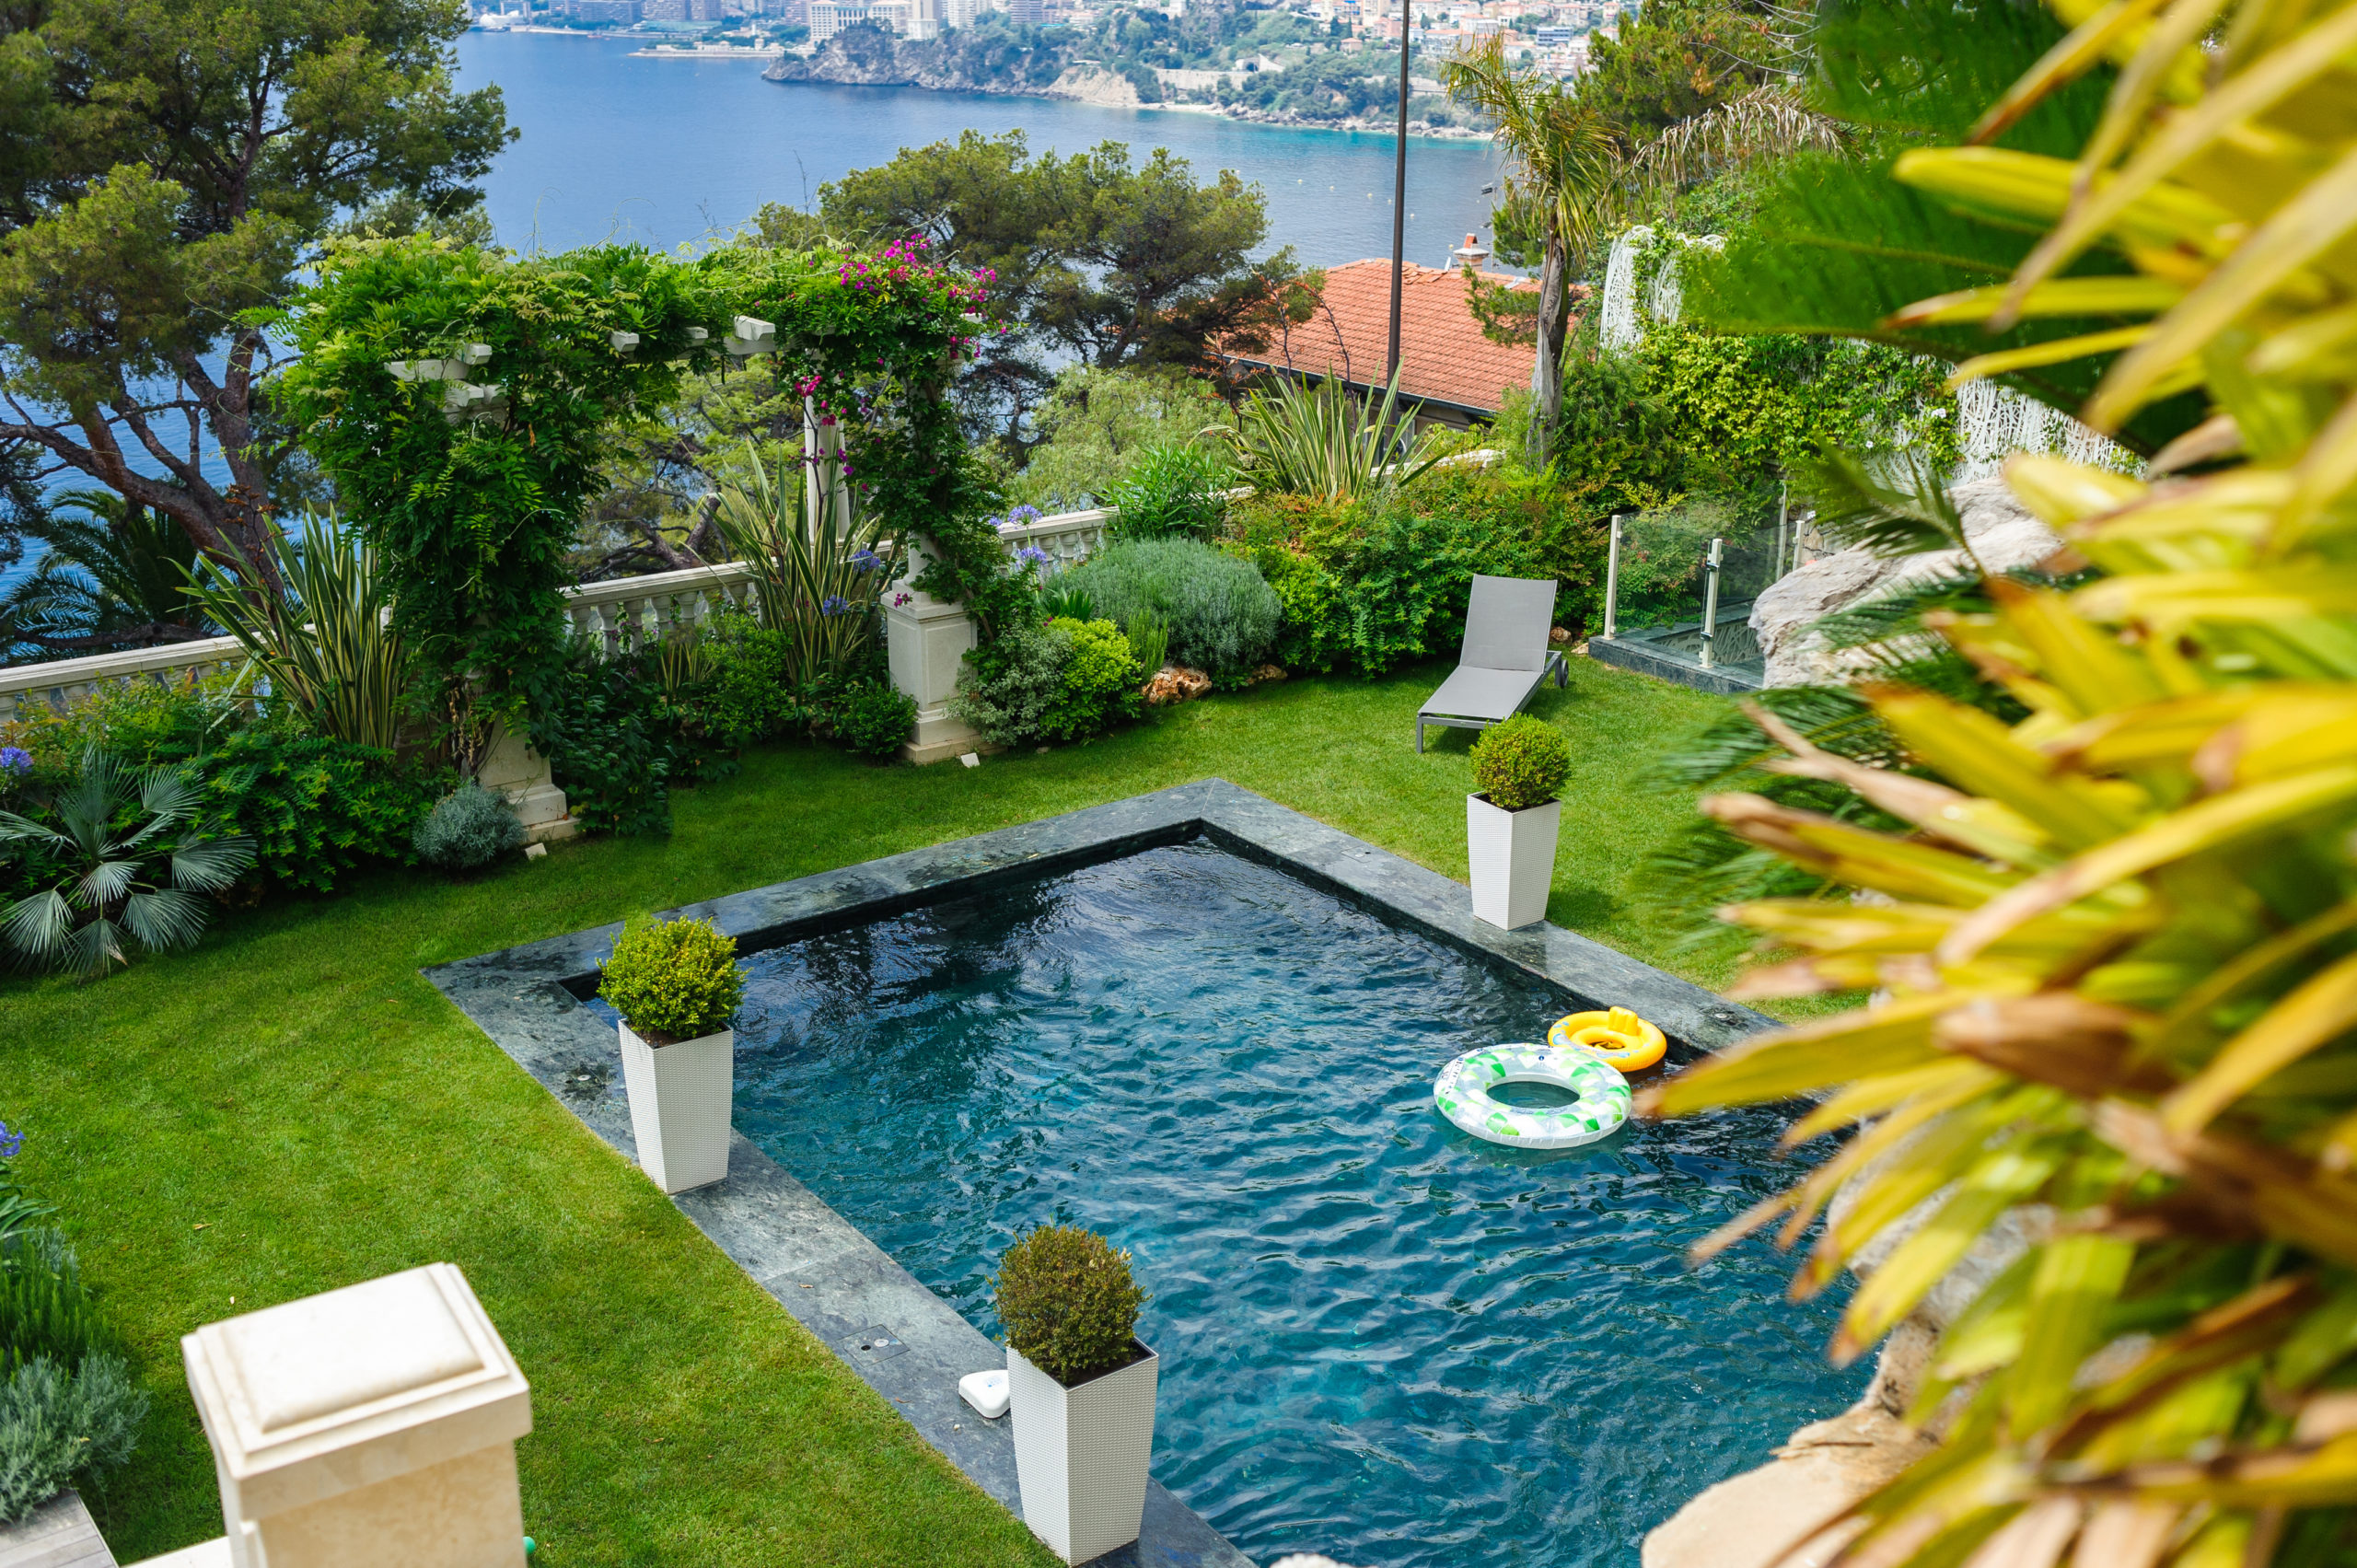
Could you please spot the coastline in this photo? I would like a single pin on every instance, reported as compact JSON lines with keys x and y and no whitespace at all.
{"x":1103,"y":90}
{"x":1094,"y":86}
{"x":708,"y":52}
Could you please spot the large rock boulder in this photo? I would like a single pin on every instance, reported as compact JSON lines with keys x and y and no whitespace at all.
{"x":1784,"y":1514}
{"x":2004,"y":537}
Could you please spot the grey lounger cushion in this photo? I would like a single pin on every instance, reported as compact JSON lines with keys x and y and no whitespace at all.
{"x":1475,"y":693}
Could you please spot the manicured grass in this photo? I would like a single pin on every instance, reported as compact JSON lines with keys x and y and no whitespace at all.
{"x":291,"y":1108}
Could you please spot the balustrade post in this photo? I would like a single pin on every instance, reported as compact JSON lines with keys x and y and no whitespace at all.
{"x":512,"y":769}
{"x":926,"y":642}
{"x":373,"y":1426}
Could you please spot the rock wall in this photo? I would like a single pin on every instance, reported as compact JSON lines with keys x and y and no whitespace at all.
{"x":1781,"y":1515}
{"x":1093,"y":84}
{"x":2004,"y":537}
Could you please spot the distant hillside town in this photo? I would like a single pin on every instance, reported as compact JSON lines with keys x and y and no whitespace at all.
{"x":1325,"y":62}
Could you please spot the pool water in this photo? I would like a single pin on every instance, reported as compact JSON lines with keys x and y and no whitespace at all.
{"x":1381,"y":1338}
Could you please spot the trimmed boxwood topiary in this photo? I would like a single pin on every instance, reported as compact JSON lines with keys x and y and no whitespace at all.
{"x":467,"y":830}
{"x":1521,"y":763}
{"x":1068,"y":1303}
{"x":672,"y":979}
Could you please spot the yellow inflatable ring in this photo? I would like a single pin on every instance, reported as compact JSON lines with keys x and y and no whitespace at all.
{"x":1618,"y":1038}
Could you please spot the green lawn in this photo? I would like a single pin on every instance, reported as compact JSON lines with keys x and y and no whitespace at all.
{"x":291,"y":1108}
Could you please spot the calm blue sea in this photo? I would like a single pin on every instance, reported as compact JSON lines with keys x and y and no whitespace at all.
{"x":665,"y":152}
{"x":669,"y":152}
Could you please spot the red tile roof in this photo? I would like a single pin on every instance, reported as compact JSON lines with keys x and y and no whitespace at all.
{"x":1442,"y":355}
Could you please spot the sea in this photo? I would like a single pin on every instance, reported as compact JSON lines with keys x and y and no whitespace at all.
{"x":667,"y":153}
{"x":677,"y":152}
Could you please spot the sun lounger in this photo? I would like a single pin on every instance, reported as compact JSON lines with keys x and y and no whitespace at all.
{"x":1505,"y":657}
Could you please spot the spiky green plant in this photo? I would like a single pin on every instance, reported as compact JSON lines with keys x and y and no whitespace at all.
{"x":1323,"y":440}
{"x":324,"y":636}
{"x":2110,"y":928}
{"x":131,"y":862}
{"x":819,"y":573}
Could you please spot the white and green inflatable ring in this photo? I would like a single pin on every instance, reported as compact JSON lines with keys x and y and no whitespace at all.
{"x":1462,"y":1093}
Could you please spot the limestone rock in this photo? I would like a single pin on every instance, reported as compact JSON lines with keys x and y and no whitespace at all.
{"x":2004,"y":537}
{"x":1777,"y":1516}
{"x":1093,"y":84}
{"x":1177,"y":683}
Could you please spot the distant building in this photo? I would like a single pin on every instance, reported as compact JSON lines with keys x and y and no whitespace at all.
{"x":892,"y":14}
{"x":1027,"y":13}
{"x":960,"y":13}
{"x":1556,"y":37}
{"x":664,"y":10}
{"x":829,"y":18}
{"x":1448,"y":371}
{"x":622,"y":13}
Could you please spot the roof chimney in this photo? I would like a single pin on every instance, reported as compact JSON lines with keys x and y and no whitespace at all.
{"x":1472,"y":253}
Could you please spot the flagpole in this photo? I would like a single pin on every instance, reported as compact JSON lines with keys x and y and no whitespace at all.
{"x":1399,"y":195}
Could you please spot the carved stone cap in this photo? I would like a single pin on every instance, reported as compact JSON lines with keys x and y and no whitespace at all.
{"x":353,"y":1386}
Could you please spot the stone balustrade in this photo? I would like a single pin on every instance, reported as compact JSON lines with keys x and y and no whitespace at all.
{"x":1065,"y":537}
{"x":636,"y":612}
{"x":63,"y":681}
{"x":625,"y":613}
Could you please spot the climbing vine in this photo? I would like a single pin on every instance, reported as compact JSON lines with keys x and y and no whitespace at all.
{"x":461,"y":400}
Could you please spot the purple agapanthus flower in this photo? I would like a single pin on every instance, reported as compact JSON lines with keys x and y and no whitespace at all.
{"x":865,"y":560}
{"x":16,"y":762}
{"x":1024,"y":515}
{"x":834,"y":604}
{"x":10,"y":1142}
{"x":1033,"y":553}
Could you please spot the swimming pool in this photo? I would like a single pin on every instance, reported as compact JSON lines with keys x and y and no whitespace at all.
{"x":1381,"y":1338}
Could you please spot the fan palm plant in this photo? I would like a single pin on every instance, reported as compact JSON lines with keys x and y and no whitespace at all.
{"x":2113,"y":944}
{"x":1562,"y":160}
{"x":1323,"y":440}
{"x":112,"y":577}
{"x":325,"y":638}
{"x":130,"y":861}
{"x":819,"y":563}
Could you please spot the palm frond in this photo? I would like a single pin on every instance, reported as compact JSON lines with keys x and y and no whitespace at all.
{"x":164,"y":919}
{"x":40,"y":925}
{"x":1767,"y":123}
{"x":1896,"y":505}
{"x":102,"y":886}
{"x":210,"y":866}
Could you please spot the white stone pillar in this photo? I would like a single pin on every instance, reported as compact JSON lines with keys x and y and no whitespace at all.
{"x":926,"y":640}
{"x":510,"y":767}
{"x":369,"y":1427}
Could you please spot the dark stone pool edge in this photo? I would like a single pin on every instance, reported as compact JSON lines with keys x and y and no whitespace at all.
{"x":826,"y":1273}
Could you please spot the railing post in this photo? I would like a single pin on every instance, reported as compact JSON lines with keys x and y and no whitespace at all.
{"x":1613,"y":581}
{"x":1783,"y":510}
{"x":370,"y":1427}
{"x":926,"y":642}
{"x":1711,"y":597}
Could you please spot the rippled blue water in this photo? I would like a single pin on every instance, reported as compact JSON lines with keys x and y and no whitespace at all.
{"x":1382,"y":1339}
{"x":667,"y":151}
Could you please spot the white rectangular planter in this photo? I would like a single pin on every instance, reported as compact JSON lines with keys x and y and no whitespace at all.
{"x":681,"y":1099}
{"x":1081,"y":1454}
{"x":1512,"y":856}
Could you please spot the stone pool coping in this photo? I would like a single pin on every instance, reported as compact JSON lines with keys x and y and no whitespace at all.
{"x":907,"y":1342}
